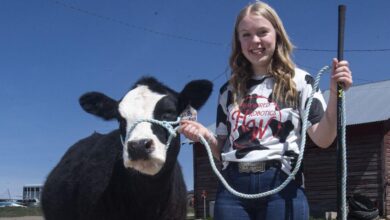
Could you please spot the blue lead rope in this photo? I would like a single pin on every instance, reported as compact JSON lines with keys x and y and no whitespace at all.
{"x":344,"y":211}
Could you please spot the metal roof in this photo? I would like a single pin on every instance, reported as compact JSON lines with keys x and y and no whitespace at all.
{"x":367,"y":103}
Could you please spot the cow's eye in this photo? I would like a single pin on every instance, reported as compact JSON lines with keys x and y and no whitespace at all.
{"x":168,"y":116}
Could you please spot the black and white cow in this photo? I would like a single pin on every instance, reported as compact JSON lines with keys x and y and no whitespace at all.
{"x":99,"y":178}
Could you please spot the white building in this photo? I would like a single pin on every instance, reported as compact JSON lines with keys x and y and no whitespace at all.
{"x":32,"y":191}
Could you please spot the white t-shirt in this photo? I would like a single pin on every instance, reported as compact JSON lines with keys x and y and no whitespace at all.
{"x":261,"y":129}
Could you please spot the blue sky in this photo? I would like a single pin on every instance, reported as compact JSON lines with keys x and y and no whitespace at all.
{"x":54,"y":51}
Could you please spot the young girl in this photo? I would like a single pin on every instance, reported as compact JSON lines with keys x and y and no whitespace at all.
{"x":259,"y":118}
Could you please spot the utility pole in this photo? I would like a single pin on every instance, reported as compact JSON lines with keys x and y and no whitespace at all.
{"x":9,"y":194}
{"x":204,"y":195}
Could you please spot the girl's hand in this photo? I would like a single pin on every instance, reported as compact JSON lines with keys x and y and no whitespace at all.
{"x":192,"y":130}
{"x":340,"y":74}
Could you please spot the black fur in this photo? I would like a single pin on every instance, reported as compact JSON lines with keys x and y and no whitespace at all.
{"x":166,"y":109}
{"x":195,"y":94}
{"x":154,"y":85}
{"x":100,"y":105}
{"x":91,"y":183}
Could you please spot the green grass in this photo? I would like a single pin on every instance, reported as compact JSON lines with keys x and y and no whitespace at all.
{"x":20,"y":211}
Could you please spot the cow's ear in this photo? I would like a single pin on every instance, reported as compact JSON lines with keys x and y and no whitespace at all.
{"x":100,"y":105}
{"x":195,"y":93}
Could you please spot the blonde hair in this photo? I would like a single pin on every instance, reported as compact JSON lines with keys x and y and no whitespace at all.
{"x":281,"y":66}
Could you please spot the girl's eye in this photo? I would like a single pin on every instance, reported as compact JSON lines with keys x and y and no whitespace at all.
{"x":262,"y":33}
{"x":246,"y":35}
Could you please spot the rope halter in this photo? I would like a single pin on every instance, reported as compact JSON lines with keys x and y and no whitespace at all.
{"x":168,"y":125}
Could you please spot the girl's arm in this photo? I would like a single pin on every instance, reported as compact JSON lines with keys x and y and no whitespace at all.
{"x":323,"y":133}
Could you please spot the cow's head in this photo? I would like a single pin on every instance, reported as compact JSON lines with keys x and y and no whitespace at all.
{"x":145,"y":147}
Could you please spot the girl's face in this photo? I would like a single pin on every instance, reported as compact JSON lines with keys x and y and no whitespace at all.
{"x":257,"y":38}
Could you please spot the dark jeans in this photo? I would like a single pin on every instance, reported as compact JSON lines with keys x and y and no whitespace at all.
{"x":288,"y":204}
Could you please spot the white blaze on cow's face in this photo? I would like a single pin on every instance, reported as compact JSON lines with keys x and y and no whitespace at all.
{"x":140,"y":103}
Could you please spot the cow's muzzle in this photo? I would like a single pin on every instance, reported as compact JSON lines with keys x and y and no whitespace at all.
{"x":140,"y":149}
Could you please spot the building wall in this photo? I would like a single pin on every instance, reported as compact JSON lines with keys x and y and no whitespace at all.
{"x":205,"y":180}
{"x":386,"y":179}
{"x":32,"y":192}
{"x":364,"y":160}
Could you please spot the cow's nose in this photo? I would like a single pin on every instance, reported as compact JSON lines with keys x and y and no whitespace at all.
{"x":140,"y":149}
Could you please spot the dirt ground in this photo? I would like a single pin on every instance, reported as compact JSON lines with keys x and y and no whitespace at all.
{"x":23,"y":218}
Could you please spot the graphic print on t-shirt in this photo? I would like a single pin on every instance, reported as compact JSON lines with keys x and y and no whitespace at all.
{"x":256,"y":116}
